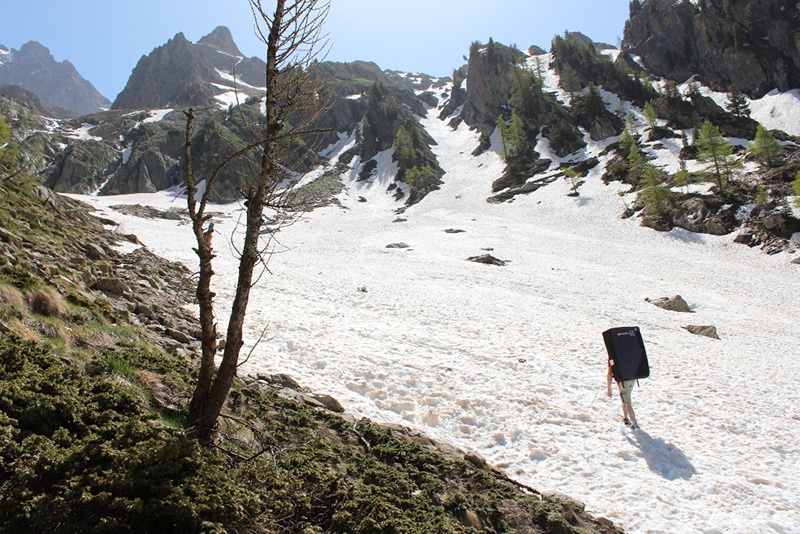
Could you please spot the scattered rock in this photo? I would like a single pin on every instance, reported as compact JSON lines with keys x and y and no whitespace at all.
{"x":178,"y":336}
{"x":10,"y":237}
{"x":454,"y":231}
{"x":299,"y":397}
{"x":706,"y":330}
{"x":476,"y":459}
{"x":470,"y":519}
{"x":280,"y":380}
{"x":773,"y":221}
{"x":488,"y":259}
{"x":574,"y":505}
{"x":147,"y":311}
{"x":328,"y":402}
{"x":675,"y":303}
{"x":94,"y":368}
{"x":397,"y":245}
{"x":115,"y":286}
{"x":46,"y":195}
{"x":95,"y":252}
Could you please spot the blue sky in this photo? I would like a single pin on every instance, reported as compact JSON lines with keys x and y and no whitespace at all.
{"x":105,"y":39}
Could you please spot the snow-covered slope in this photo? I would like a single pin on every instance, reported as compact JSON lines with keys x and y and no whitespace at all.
{"x":509,"y":361}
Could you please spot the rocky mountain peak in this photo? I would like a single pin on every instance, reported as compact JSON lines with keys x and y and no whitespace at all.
{"x":174,"y":74}
{"x":57,"y":84}
{"x":221,"y":40}
{"x":182,"y":73}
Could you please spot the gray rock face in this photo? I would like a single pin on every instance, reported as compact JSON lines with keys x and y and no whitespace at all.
{"x":704,"y":215}
{"x":490,"y":77}
{"x":82,"y":166}
{"x":174,"y":74}
{"x":181,"y":73}
{"x":751,"y":44}
{"x":56,"y":83}
{"x":32,"y":100}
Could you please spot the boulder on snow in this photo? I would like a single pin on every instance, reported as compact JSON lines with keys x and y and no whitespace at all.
{"x":674,"y":303}
{"x":488,"y":259}
{"x":703,"y":330}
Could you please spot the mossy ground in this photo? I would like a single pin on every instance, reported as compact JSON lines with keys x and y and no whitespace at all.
{"x":93,"y":435}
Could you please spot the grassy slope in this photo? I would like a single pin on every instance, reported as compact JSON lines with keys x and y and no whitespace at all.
{"x":91,"y":419}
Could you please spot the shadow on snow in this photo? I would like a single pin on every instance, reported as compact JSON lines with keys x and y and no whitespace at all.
{"x":664,"y":458}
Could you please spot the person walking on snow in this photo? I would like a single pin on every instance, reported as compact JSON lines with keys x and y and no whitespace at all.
{"x":625,"y":389}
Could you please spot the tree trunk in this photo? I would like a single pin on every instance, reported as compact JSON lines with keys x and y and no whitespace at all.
{"x":208,"y":401}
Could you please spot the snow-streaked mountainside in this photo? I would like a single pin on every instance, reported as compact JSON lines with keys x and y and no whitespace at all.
{"x":509,"y":361}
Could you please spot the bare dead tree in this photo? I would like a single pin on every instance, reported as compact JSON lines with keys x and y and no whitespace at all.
{"x":294,"y":41}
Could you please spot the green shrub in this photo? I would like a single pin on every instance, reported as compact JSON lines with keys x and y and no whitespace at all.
{"x":18,"y":276}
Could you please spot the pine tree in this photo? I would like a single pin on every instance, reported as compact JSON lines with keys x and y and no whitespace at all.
{"x":714,"y":150}
{"x":737,"y":102}
{"x":683,"y":176}
{"x":403,"y":148}
{"x":765,"y":145}
{"x":627,"y":139}
{"x":650,"y":115}
{"x":502,"y":126}
{"x":796,"y":189}
{"x":654,"y":192}
{"x":516,"y":133}
{"x":595,"y":105}
{"x":762,"y":196}
{"x":636,"y":159}
{"x":573,"y":176}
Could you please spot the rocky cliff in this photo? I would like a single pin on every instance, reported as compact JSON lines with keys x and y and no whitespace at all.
{"x":57,"y":84}
{"x":182,"y":74}
{"x":754,"y":45}
{"x":491,"y":70}
{"x":175,"y":74}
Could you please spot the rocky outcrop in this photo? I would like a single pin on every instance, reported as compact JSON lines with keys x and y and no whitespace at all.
{"x":57,"y":84}
{"x":751,"y":44}
{"x":708,"y":215}
{"x":491,"y":68}
{"x":181,"y":73}
{"x":32,"y":101}
{"x":81,"y":167}
{"x":175,"y":74}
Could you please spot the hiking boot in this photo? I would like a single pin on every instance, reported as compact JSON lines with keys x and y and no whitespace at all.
{"x":626,"y":421}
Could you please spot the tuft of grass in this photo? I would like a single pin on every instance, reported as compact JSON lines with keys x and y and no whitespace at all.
{"x":119,"y":366}
{"x":11,"y":296}
{"x":173,"y":420}
{"x":46,"y":301}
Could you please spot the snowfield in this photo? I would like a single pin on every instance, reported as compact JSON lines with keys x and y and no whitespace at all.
{"x":509,"y":361}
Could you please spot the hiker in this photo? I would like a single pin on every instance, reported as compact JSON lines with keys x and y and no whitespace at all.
{"x":625,"y":389}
